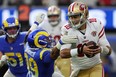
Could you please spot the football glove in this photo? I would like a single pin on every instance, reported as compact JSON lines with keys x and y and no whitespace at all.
{"x":66,"y":39}
{"x":3,"y":60}
{"x":39,"y":19}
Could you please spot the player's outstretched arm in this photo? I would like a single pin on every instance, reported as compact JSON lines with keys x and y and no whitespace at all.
{"x":39,"y":19}
{"x":54,"y":53}
{"x":66,"y":39}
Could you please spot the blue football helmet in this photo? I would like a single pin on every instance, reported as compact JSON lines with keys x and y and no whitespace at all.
{"x":39,"y":39}
{"x":10,"y":23}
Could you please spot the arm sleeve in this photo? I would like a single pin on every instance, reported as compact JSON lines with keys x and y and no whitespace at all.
{"x":101,"y":35}
{"x":64,"y":31}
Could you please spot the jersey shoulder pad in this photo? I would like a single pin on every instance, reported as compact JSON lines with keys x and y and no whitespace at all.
{"x":66,"y":26}
{"x":2,"y":38}
{"x":95,"y":21}
{"x":43,"y":51}
{"x":23,"y":33}
{"x":65,"y":29}
{"x":91,"y":20}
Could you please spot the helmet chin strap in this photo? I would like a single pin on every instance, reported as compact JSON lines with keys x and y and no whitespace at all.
{"x":78,"y":25}
{"x":56,"y":22}
{"x":12,"y":36}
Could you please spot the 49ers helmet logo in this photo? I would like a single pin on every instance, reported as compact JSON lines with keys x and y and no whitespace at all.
{"x":82,"y":7}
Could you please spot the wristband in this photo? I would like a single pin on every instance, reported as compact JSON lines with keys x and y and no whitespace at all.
{"x":105,"y":50}
{"x":58,"y":45}
{"x":33,"y":27}
{"x":81,"y":49}
{"x":61,"y":42}
{"x":73,"y":52}
{"x":36,"y":23}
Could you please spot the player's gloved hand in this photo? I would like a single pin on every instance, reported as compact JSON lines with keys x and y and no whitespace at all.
{"x":67,"y":39}
{"x":3,"y":60}
{"x":39,"y":19}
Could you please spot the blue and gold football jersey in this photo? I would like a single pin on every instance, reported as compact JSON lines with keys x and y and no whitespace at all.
{"x":39,"y":62}
{"x":15,"y":54}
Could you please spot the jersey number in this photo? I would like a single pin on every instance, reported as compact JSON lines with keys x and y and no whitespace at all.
{"x":31,"y":65}
{"x":67,"y":27}
{"x":13,"y":61}
{"x":92,"y":20}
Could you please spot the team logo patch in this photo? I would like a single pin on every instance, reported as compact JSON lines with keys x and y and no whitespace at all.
{"x":93,"y":33}
{"x":82,"y":7}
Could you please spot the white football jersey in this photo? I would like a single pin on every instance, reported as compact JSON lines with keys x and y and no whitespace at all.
{"x":54,"y":31}
{"x":94,"y":32}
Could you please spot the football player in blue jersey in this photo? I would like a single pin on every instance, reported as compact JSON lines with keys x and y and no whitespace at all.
{"x":12,"y":47}
{"x":40,"y":56}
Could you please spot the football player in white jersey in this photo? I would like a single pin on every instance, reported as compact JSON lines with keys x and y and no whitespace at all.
{"x":85,"y":61}
{"x":53,"y":25}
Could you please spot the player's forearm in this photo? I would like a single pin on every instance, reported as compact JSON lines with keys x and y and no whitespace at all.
{"x":39,"y":19}
{"x":105,"y":46}
{"x":106,"y":50}
{"x":54,"y":53}
{"x":65,"y":53}
{"x":0,"y":54}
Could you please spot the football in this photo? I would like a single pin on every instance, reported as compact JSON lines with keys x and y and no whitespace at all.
{"x":92,"y":47}
{"x":92,"y":43}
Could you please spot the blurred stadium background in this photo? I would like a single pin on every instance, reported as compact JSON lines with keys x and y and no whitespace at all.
{"x":26,"y":10}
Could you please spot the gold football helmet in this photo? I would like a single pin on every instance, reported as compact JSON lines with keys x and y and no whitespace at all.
{"x":78,"y":14}
{"x":54,"y":15}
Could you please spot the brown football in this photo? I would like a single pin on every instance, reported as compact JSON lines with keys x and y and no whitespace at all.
{"x":92,"y":47}
{"x":92,"y":43}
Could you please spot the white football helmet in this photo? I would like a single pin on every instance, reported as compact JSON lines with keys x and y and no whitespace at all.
{"x":78,"y":14}
{"x":54,"y":15}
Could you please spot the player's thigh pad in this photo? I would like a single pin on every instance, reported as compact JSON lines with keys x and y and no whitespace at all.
{"x":64,"y":66}
{"x":96,"y":71}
